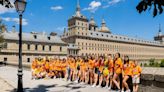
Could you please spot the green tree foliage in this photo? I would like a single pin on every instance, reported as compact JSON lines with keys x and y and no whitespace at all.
{"x":1,"y":39}
{"x":151,"y":62}
{"x":162,"y":63}
{"x":6,"y":3}
{"x":148,"y":4}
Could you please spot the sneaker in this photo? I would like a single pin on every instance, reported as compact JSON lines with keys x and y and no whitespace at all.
{"x":122,"y":90}
{"x":109,"y":88}
{"x":106,"y":87}
{"x":93,"y":85}
{"x":98,"y":86}
{"x":76,"y":81}
{"x":82,"y":83}
{"x":127,"y":90}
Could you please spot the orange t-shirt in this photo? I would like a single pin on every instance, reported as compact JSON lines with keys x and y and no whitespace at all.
{"x":110,"y":66}
{"x":91,"y":64}
{"x":47,"y":65}
{"x":137,"y":70}
{"x":83,"y":66}
{"x":127,"y":69}
{"x":101,"y":67}
{"x":118,"y":66}
{"x":64,"y":65}
{"x":72,"y":65}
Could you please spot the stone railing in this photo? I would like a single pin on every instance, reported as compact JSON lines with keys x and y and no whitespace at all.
{"x":152,"y":79}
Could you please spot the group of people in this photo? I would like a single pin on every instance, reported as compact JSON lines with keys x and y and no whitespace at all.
{"x":106,"y":71}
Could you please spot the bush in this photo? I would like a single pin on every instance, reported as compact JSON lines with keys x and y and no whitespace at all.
{"x":145,"y":65}
{"x":151,"y":62}
{"x":141,"y":64}
{"x":156,"y":64}
{"x":162,"y":63}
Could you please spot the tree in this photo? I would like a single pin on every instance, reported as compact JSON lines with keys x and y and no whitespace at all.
{"x":148,"y":4}
{"x":6,"y":3}
{"x":1,"y":39}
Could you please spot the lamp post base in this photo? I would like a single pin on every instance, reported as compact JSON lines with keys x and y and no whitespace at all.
{"x":20,"y":82}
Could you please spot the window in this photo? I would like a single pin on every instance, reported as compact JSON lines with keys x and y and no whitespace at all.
{"x":28,"y":59}
{"x":28,"y":46}
{"x":43,"y":48}
{"x":35,"y":37}
{"x":49,"y":38}
{"x":49,"y":48}
{"x":60,"y":48}
{"x":5,"y":59}
{"x":36,"y":47}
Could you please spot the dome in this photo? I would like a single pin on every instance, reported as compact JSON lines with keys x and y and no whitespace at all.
{"x":104,"y":28}
{"x":92,"y":22}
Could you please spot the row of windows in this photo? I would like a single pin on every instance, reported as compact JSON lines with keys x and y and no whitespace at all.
{"x":43,"y":47}
{"x":124,"y":38}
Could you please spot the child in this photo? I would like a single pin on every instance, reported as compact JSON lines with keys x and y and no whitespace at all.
{"x":136,"y":76}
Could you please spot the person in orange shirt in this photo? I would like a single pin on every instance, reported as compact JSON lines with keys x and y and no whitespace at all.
{"x":47,"y":67}
{"x":96,"y":70}
{"x":63,"y":67}
{"x":101,"y":68}
{"x":82,"y":70}
{"x":110,"y":68}
{"x":78,"y":61}
{"x":136,"y":76}
{"x":68,"y":69}
{"x":127,"y":73}
{"x":91,"y":61}
{"x":72,"y":67}
{"x":33,"y":68}
{"x":87,"y":70}
{"x":117,"y":70}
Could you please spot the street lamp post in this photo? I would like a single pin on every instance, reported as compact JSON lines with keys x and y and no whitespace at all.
{"x":20,"y":7}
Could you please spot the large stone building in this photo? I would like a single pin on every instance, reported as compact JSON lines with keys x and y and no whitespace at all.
{"x":86,"y":38}
{"x":34,"y":45}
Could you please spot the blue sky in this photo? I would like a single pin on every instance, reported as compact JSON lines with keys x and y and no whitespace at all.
{"x":52,"y":15}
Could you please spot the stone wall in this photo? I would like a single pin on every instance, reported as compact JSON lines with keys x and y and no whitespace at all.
{"x":152,"y":80}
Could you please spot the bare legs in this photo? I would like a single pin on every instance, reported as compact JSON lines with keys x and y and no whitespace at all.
{"x":115,"y":82}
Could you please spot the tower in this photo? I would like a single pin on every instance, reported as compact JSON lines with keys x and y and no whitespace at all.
{"x":78,"y":22}
{"x":92,"y":24}
{"x":103,"y":27}
{"x":160,"y":36}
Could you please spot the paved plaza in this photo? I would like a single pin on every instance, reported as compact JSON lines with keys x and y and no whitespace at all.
{"x":9,"y":74}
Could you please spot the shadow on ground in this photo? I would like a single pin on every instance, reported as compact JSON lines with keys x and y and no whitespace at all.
{"x":39,"y":88}
{"x":44,"y":88}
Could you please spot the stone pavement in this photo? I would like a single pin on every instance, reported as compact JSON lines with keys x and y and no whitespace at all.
{"x":9,"y":74}
{"x":4,"y":86}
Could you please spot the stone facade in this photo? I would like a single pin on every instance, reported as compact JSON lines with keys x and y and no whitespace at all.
{"x":34,"y":45}
{"x":89,"y":39}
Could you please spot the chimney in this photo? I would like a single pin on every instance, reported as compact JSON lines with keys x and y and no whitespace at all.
{"x":53,"y":34}
{"x":13,"y":29}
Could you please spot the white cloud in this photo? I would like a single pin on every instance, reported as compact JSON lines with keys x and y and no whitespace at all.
{"x":111,"y":2}
{"x":56,"y":8}
{"x":16,"y":20}
{"x":60,"y":28}
{"x":4,"y":10}
{"x":93,"y":6}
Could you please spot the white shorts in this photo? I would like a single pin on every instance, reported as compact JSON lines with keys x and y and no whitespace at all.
{"x":136,"y":79}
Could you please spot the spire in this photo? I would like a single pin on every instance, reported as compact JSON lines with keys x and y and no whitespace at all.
{"x":92,"y":21}
{"x":13,"y":29}
{"x":159,"y":27}
{"x":103,"y":22}
{"x":78,"y":6}
{"x":160,"y":31}
{"x":78,"y":9}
